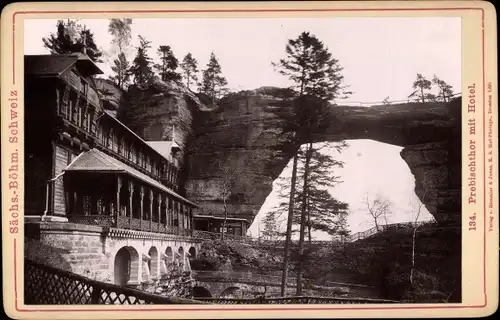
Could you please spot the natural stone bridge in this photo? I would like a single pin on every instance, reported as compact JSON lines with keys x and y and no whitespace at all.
{"x":242,"y":134}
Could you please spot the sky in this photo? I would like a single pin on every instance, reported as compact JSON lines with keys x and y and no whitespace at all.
{"x":380,"y":58}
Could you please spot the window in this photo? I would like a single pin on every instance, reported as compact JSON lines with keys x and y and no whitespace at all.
{"x":115,"y":141}
{"x":107,"y":141}
{"x":137,"y":156}
{"x":84,"y":87}
{"x":120,"y":146}
{"x":74,"y":108}
{"x":132,"y":153}
{"x":84,"y":112}
{"x":91,"y":122}
{"x":64,"y":104}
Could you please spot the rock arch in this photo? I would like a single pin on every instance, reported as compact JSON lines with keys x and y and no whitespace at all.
{"x":126,"y":266}
{"x":430,"y":134}
{"x":201,"y":292}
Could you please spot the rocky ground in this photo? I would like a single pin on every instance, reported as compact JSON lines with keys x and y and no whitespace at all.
{"x":381,"y":262}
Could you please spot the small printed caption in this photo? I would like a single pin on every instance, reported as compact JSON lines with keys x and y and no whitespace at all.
{"x":471,"y":155}
{"x":489,"y":155}
{"x":13,"y":163}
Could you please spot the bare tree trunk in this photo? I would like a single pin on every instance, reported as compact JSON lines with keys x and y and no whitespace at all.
{"x":413,"y":253}
{"x":289,"y":226}
{"x":224,"y":222}
{"x":309,"y":221}
{"x":303,"y":219}
{"x":414,"y":239}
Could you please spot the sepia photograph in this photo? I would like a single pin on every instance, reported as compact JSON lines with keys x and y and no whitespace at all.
{"x":318,"y":170}
{"x":249,"y":160}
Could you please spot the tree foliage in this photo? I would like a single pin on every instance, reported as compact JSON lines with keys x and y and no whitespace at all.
{"x":190,"y":67}
{"x":445,"y":90}
{"x":141,"y":66}
{"x":325,"y":213}
{"x":311,"y":67}
{"x":213,"y":84}
{"x":121,"y":69}
{"x":421,"y":85}
{"x":72,"y":37}
{"x":169,"y":63}
{"x":120,"y":29}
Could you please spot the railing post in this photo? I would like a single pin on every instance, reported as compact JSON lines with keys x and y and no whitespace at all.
{"x":118,"y":190}
{"x":151,"y":198}
{"x":131,"y":206}
{"x":96,"y":294}
{"x":141,"y":207}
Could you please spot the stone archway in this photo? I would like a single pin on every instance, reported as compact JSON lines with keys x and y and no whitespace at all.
{"x":201,"y":292}
{"x":192,"y":253}
{"x":126,"y":266}
{"x":154,"y":263}
{"x":231,"y":292}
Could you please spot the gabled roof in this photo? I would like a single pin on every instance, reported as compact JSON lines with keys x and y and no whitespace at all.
{"x":145,"y":143}
{"x":55,"y":65}
{"x":162,"y":147}
{"x":99,"y":162}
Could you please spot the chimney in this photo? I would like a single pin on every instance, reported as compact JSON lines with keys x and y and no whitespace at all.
{"x":84,"y":49}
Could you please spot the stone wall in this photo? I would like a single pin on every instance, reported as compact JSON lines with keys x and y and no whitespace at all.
{"x":75,"y":248}
{"x":90,"y":250}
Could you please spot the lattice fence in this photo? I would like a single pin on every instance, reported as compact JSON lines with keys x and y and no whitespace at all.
{"x":48,"y":285}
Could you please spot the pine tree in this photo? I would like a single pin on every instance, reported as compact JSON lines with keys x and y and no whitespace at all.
{"x":141,"y":66}
{"x":324,"y":213}
{"x":445,"y":90}
{"x":420,"y":85}
{"x":270,"y":231}
{"x":213,"y":84}
{"x":168,"y":65}
{"x":70,"y":38}
{"x":121,"y":68}
{"x":317,"y":77}
{"x":190,"y":67}
{"x":121,"y":31}
{"x":87,"y":39}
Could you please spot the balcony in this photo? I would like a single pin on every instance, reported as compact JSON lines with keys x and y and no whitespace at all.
{"x":129,"y":223}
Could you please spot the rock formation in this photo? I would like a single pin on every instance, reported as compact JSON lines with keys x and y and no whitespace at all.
{"x":242,"y":134}
{"x":238,"y":140}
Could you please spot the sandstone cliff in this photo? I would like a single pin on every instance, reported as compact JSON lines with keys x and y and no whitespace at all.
{"x":242,"y":134}
{"x":238,"y":140}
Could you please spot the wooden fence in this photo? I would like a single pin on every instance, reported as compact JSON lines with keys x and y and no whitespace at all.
{"x":47,"y":285}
